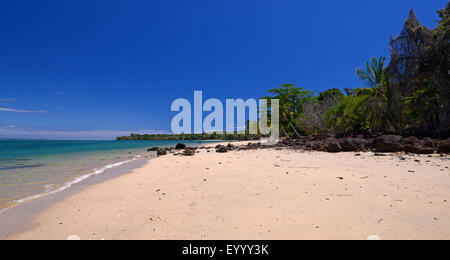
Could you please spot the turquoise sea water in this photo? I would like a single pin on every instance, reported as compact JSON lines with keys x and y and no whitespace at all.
{"x":30,"y":168}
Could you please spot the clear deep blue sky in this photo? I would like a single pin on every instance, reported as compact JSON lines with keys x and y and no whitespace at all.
{"x":96,"y":69}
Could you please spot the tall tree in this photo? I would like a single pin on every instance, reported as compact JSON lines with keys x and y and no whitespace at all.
{"x":374,"y":75}
{"x":292,"y":99}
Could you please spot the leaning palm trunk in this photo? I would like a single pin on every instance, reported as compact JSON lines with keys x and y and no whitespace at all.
{"x":295,"y":130}
{"x":282,"y":129}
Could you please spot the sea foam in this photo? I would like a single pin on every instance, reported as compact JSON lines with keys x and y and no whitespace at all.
{"x":73,"y":182}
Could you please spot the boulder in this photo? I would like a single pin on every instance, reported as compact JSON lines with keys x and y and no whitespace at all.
{"x":318,"y":146}
{"x":444,"y":146}
{"x":333,"y":147}
{"x":230,"y":147}
{"x":426,"y":150}
{"x":388,"y":143}
{"x":428,"y":142}
{"x":412,"y":148}
{"x":188,"y":152}
{"x":414,"y":145}
{"x":180,"y":146}
{"x":353,"y":144}
{"x":412,"y":140}
{"x":251,"y":145}
{"x":161,"y":151}
{"x":221,"y":149}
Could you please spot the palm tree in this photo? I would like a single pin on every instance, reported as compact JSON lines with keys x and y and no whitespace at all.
{"x":375,"y":76}
{"x":374,"y":98}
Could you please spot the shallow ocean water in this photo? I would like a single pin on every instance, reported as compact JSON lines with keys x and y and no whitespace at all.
{"x":31,"y":168}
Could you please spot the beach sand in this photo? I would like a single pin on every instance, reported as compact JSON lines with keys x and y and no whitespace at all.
{"x":261,"y":194}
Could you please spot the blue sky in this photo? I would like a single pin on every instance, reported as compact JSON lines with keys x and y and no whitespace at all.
{"x":97,"y":69}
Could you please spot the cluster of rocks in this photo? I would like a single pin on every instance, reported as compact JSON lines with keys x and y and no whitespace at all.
{"x":187,"y":151}
{"x":381,"y":144}
{"x":224,"y":149}
{"x":159,"y":151}
{"x":191,"y":151}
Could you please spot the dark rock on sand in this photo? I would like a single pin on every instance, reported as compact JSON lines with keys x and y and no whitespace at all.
{"x":221,"y":149}
{"x":444,"y":146}
{"x":180,"y":146}
{"x":252,"y":146}
{"x":428,"y":142}
{"x":418,"y":149}
{"x":318,"y":146}
{"x":161,"y":151}
{"x":188,"y":152}
{"x":354,"y":144}
{"x":412,"y":144}
{"x":412,"y":140}
{"x":412,"y":148}
{"x":388,"y":143}
{"x":426,"y":150}
{"x":333,"y":147}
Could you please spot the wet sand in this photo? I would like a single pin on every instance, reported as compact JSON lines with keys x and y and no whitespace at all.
{"x":258,"y":194}
{"x":20,"y":217}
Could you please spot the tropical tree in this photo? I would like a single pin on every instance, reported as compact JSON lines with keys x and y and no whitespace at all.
{"x":347,"y":117}
{"x":291,"y":99}
{"x":316,"y":112}
{"x":374,"y":75}
{"x":330,"y":93}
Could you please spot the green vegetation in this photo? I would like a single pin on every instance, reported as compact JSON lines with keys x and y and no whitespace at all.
{"x":291,"y":99}
{"x":409,"y":96}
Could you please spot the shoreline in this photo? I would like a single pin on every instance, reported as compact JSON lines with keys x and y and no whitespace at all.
{"x":21,"y":212}
{"x":138,"y":153}
{"x":69,"y":184}
{"x":255,"y":194}
{"x":19,"y":217}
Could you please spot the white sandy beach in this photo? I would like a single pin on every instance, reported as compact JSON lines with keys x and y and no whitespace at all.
{"x":261,"y":194}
